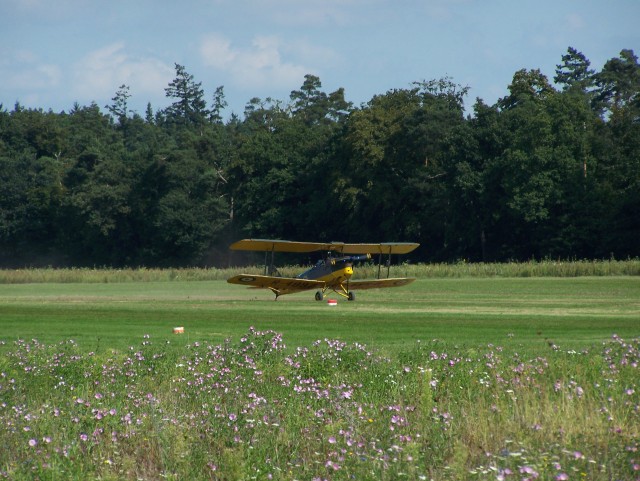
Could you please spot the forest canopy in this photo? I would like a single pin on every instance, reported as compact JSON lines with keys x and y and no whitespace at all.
{"x":551,"y":170}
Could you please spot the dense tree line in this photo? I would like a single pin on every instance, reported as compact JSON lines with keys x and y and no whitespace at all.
{"x":550,"y":170}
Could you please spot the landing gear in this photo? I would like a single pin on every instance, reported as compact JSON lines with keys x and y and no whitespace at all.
{"x":349,"y":295}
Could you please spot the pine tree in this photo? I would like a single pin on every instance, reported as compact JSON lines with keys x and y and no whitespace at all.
{"x":190,"y":108}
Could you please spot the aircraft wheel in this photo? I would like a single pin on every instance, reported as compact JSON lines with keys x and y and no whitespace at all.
{"x":319,"y":296}
{"x":351,"y":296}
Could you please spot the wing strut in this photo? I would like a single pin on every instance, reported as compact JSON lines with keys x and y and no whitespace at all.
{"x":269,"y":268}
{"x":388,"y":263}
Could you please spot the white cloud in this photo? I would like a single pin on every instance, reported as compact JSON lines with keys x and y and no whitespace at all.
{"x":23,"y":70}
{"x":216,"y":52}
{"x":36,"y":77}
{"x":260,"y":65}
{"x":99,"y":74}
{"x":575,"y":21}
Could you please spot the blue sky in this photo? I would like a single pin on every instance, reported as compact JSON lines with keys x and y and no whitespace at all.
{"x":57,"y":52}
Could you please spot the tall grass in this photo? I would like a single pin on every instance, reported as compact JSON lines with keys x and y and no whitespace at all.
{"x":545,"y":268}
{"x":249,"y":408}
{"x":106,"y":275}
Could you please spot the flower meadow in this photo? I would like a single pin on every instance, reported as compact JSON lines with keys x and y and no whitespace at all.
{"x":253,"y":408}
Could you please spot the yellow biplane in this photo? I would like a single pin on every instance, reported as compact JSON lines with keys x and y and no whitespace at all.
{"x":332,"y":273}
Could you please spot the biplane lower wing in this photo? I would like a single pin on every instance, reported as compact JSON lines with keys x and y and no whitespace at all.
{"x":279,"y":285}
{"x":380,"y":283}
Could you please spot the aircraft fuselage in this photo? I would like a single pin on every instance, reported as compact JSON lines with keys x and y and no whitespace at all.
{"x":331,"y":271}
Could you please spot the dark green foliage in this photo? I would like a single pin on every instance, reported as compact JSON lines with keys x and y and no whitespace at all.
{"x":545,"y":172}
{"x":189,"y":108}
{"x":574,"y":72}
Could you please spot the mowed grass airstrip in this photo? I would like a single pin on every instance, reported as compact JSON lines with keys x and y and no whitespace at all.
{"x":467,"y":311}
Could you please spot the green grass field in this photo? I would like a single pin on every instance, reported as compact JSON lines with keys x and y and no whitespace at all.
{"x":451,"y":378}
{"x":471,"y":311}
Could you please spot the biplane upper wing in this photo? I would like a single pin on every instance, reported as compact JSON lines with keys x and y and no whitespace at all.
{"x":277,"y":245}
{"x":380,"y":283}
{"x":294,"y":246}
{"x":382,"y":248}
{"x":276,"y":284}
